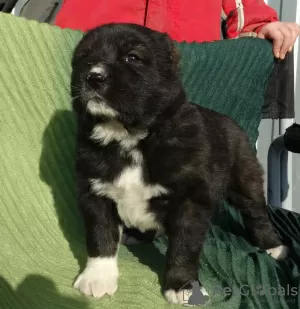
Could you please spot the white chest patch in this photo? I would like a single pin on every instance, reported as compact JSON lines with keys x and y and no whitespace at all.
{"x":114,"y":131}
{"x":131,"y":195}
{"x":128,"y":190}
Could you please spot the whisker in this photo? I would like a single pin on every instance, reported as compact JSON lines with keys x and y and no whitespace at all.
{"x":76,"y":97}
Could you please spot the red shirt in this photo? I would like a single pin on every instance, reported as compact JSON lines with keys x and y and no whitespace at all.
{"x":183,"y":20}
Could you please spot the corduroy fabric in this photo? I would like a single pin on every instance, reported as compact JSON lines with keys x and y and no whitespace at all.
{"x":41,"y":232}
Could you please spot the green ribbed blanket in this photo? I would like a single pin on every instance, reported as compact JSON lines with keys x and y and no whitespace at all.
{"x":41,"y":233}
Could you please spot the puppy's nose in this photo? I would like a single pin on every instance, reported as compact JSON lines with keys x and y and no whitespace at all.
{"x":96,"y":79}
{"x":97,"y":75}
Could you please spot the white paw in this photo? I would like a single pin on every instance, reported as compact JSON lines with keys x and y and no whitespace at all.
{"x":183,"y":296}
{"x":180,"y":297}
{"x":279,"y":252}
{"x":100,"y":277}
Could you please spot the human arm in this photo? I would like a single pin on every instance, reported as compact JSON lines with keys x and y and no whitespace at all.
{"x":255,"y":18}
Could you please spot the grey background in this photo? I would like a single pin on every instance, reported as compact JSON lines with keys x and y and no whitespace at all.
{"x":288,"y":10}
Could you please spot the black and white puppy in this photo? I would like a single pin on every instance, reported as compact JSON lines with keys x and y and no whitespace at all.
{"x":148,"y":159}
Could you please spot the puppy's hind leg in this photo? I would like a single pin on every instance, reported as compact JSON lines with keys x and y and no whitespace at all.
{"x":246,"y":193}
{"x":186,"y":229}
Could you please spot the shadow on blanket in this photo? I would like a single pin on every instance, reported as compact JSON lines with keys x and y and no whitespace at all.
{"x":36,"y":292}
{"x":57,"y":171}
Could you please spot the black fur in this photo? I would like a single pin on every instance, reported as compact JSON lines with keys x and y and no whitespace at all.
{"x":198,"y":155}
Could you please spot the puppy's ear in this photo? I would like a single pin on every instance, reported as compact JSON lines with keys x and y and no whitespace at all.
{"x":174,"y":52}
{"x":78,"y":55}
{"x":168,"y":44}
{"x":175,"y":55}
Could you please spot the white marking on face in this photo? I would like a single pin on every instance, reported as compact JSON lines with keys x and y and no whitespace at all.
{"x":131,"y":195}
{"x":279,"y":252}
{"x":100,"y":277}
{"x":99,"y":69}
{"x":101,"y":109}
{"x":181,"y":296}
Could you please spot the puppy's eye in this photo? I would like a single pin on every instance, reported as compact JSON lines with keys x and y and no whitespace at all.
{"x":132,"y":58}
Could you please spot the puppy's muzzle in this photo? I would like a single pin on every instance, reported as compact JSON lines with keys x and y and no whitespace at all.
{"x":97,"y":76}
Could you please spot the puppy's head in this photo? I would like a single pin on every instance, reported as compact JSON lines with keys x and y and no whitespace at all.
{"x":125,"y":71}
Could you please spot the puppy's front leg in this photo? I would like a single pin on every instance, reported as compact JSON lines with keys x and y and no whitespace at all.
{"x":186,"y":232}
{"x":103,"y":229}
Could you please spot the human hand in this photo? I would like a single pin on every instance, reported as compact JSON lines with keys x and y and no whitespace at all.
{"x":283,"y":36}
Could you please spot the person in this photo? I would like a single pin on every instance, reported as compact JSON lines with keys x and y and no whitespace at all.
{"x":183,"y":20}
